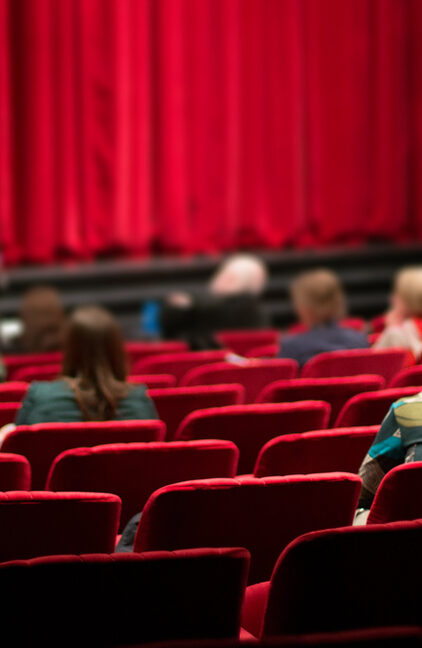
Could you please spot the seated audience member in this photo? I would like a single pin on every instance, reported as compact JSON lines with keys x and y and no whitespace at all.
{"x":43,"y":317}
{"x":399,"y":440}
{"x":319,"y":302}
{"x":231,"y":301}
{"x":403,"y":322}
{"x":93,"y":386}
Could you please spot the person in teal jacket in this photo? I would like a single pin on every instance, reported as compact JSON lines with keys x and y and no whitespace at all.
{"x":93,"y":386}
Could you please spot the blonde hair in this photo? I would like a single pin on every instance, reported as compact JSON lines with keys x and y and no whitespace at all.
{"x":240,"y":273}
{"x":408,"y":286}
{"x":321,"y":293}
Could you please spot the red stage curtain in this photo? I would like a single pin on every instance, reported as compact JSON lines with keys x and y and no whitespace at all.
{"x":131,"y":127}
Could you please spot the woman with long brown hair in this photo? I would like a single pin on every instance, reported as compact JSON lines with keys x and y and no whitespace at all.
{"x":93,"y":386}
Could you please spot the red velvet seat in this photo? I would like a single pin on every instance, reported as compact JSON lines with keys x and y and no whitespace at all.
{"x":41,"y":444}
{"x":398,"y":495}
{"x":153,"y":381}
{"x":36,"y":523}
{"x":266,"y":351}
{"x":319,"y":580}
{"x":133,"y":471}
{"x":122,"y":599}
{"x":8,"y":412}
{"x":178,"y":364}
{"x":335,"y":391}
{"x":262,"y":515}
{"x":353,"y":362}
{"x":408,"y":377}
{"x":242,"y":341}
{"x":13,"y":391}
{"x":254,"y":375}
{"x":38,"y":372}
{"x":251,"y":426}
{"x":15,"y":472}
{"x":370,"y":408}
{"x":342,"y":449}
{"x":137,"y":351}
{"x":173,"y":405}
{"x":15,"y":362}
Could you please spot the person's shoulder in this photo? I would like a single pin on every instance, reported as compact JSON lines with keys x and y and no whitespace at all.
{"x":47,"y":388}
{"x":408,"y":411}
{"x":355,"y":336}
{"x":136,"y":391}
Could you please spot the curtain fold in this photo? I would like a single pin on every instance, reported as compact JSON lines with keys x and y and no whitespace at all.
{"x":135,"y":127}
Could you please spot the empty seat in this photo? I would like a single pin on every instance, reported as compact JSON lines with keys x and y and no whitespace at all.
{"x":383,"y":362}
{"x":266,"y":351}
{"x":335,"y":391}
{"x":242,"y":342}
{"x":36,"y":523}
{"x":121,"y":599}
{"x":8,"y":413}
{"x":262,"y":515}
{"x":173,"y":405}
{"x":178,"y":364}
{"x":133,"y":471}
{"x":254,"y":375}
{"x":15,"y":362}
{"x":370,"y":408}
{"x":408,"y":377}
{"x":38,"y":372}
{"x":317,"y":583}
{"x":398,"y":495}
{"x":41,"y":443}
{"x":342,"y":449}
{"x":15,"y":472}
{"x":13,"y":391}
{"x":251,"y":426}
{"x":153,"y":381}
{"x":141,"y":350}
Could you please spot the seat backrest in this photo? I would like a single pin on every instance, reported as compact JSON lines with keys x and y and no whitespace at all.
{"x":38,"y":372}
{"x":41,"y":443}
{"x":266,"y":351}
{"x":15,"y":472}
{"x":254,"y":375}
{"x":251,"y":426}
{"x":13,"y":391}
{"x":178,"y":364}
{"x":262,"y":515}
{"x":398,"y":495}
{"x":137,"y":351}
{"x":335,"y":391}
{"x":342,"y":449}
{"x":370,"y":408}
{"x":121,"y":599}
{"x":382,"y":362}
{"x":153,"y":381}
{"x":408,"y":377}
{"x":317,"y":583}
{"x":242,"y":342}
{"x":133,"y":471}
{"x":38,"y":523}
{"x":14,"y":362}
{"x":173,"y":405}
{"x":8,"y":413}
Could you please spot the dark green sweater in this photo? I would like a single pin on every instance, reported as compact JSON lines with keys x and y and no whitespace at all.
{"x":54,"y":402}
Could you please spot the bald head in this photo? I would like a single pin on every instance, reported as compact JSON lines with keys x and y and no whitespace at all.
{"x":241,"y":273}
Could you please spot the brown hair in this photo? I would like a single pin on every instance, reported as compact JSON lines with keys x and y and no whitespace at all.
{"x":320,"y":292}
{"x":43,"y":317}
{"x":94,"y":362}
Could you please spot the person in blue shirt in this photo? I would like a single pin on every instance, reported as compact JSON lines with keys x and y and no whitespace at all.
{"x":320,"y":304}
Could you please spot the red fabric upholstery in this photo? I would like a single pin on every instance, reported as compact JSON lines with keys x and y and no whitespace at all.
{"x":242,"y":342}
{"x":121,"y":599}
{"x":322,"y":451}
{"x":398,"y":495}
{"x":173,"y":405}
{"x":317,"y":583}
{"x":254,"y":375}
{"x":370,"y":408}
{"x":13,"y":391}
{"x":140,"y":350}
{"x":408,"y":377}
{"x":335,"y":391}
{"x":178,"y":364}
{"x":153,"y":381}
{"x":38,"y":372}
{"x":8,"y":412}
{"x":133,"y":471}
{"x":383,"y":362}
{"x":266,"y":351}
{"x":15,"y":472}
{"x":14,"y":362}
{"x":251,"y":426}
{"x":36,"y":523}
{"x":41,"y":444}
{"x":263,"y":515}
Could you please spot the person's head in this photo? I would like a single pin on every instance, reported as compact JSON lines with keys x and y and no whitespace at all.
{"x":43,"y":319}
{"x":318,"y":297}
{"x":407,"y":293}
{"x":95,"y":361}
{"x":240,"y":273}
